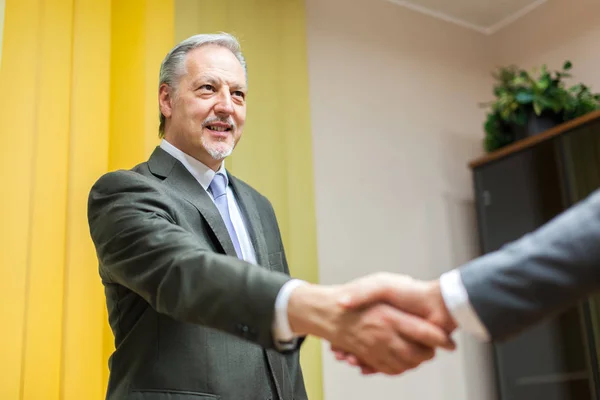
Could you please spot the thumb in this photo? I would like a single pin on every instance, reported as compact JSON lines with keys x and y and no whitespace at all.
{"x":362,"y":293}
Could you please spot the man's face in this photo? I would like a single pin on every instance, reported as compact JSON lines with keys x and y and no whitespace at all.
{"x":207,"y":110}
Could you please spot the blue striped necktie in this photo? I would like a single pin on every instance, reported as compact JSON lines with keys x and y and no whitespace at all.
{"x":218,"y":189}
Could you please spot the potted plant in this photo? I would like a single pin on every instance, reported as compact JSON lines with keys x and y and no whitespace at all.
{"x":527,"y":104}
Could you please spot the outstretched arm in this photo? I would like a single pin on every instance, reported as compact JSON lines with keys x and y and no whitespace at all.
{"x":141,"y":247}
{"x":508,"y":290}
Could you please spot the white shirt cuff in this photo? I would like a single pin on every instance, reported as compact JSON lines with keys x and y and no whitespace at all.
{"x":284,"y":338}
{"x":457,"y":301}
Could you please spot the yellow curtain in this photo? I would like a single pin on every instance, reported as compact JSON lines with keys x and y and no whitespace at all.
{"x":275,"y":152}
{"x":78,"y":79}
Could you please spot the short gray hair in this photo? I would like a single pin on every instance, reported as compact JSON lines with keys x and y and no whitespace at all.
{"x":173,"y":66}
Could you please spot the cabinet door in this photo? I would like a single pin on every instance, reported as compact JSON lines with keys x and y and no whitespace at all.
{"x":516,"y":195}
{"x":580,"y":170}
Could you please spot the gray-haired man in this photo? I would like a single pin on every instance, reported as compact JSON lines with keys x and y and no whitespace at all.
{"x":197,"y":285}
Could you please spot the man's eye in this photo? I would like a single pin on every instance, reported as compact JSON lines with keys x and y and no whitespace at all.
{"x":239,"y":93}
{"x":207,"y":87}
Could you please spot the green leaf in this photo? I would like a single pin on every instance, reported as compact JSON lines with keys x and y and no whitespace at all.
{"x":563,"y":75}
{"x":545,"y":81}
{"x":524,"y":97}
{"x":518,"y":92}
{"x":548,"y":102}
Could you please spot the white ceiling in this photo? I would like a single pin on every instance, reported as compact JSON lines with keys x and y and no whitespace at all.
{"x":485,"y":16}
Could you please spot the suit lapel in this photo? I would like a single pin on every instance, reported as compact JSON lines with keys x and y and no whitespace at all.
{"x":249,"y":208}
{"x":177,"y":177}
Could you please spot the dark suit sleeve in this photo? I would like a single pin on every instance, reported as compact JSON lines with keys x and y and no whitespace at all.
{"x":538,"y":275}
{"x":140,"y":246}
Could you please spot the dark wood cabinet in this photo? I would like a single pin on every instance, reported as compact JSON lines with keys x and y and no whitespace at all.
{"x":517,"y":190}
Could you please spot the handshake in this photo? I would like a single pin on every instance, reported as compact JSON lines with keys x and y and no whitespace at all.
{"x":384,"y":323}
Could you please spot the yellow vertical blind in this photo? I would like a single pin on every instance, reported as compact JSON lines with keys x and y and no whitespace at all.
{"x":64,"y":121}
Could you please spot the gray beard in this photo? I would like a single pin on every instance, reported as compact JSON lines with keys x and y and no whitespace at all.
{"x":217,"y":153}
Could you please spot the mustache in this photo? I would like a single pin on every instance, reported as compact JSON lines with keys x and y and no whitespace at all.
{"x":212,"y":120}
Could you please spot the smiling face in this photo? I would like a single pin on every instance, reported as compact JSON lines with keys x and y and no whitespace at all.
{"x":205,"y":113}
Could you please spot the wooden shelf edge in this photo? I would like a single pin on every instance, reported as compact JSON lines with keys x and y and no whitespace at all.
{"x":530,"y":141}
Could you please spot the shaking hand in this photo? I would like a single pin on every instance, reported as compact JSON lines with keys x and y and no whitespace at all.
{"x":356,"y":320}
{"x":422,"y":300}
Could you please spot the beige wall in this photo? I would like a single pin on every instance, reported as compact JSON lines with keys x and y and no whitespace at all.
{"x":395,"y":119}
{"x":555,"y":32}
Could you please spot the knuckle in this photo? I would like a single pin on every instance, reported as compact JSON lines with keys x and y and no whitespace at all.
{"x":409,"y":354}
{"x":404,"y":352}
{"x":377,"y":337}
{"x":413,"y":363}
{"x":386,"y":313}
{"x":387,"y":370}
{"x":420,"y":354}
{"x":383,"y":314}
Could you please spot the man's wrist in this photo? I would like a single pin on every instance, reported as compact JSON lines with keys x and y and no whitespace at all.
{"x":312,"y":309}
{"x":282,"y":332}
{"x":456,"y":299}
{"x":440,"y":314}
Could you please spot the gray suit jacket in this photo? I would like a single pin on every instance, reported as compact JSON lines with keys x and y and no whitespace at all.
{"x":190,"y":320}
{"x":540,"y":274}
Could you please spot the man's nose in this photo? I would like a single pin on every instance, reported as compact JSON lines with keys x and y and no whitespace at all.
{"x":224,"y":104}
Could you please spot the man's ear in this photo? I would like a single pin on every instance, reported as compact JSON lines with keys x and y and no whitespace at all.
{"x":165,"y":100}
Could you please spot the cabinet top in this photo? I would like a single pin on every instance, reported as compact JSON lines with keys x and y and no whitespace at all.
{"x":533,"y":140}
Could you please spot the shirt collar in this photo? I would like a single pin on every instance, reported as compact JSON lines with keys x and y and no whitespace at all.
{"x":203,"y":174}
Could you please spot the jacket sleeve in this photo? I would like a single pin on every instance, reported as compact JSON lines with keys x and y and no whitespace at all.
{"x":538,"y":275}
{"x":140,"y":246}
